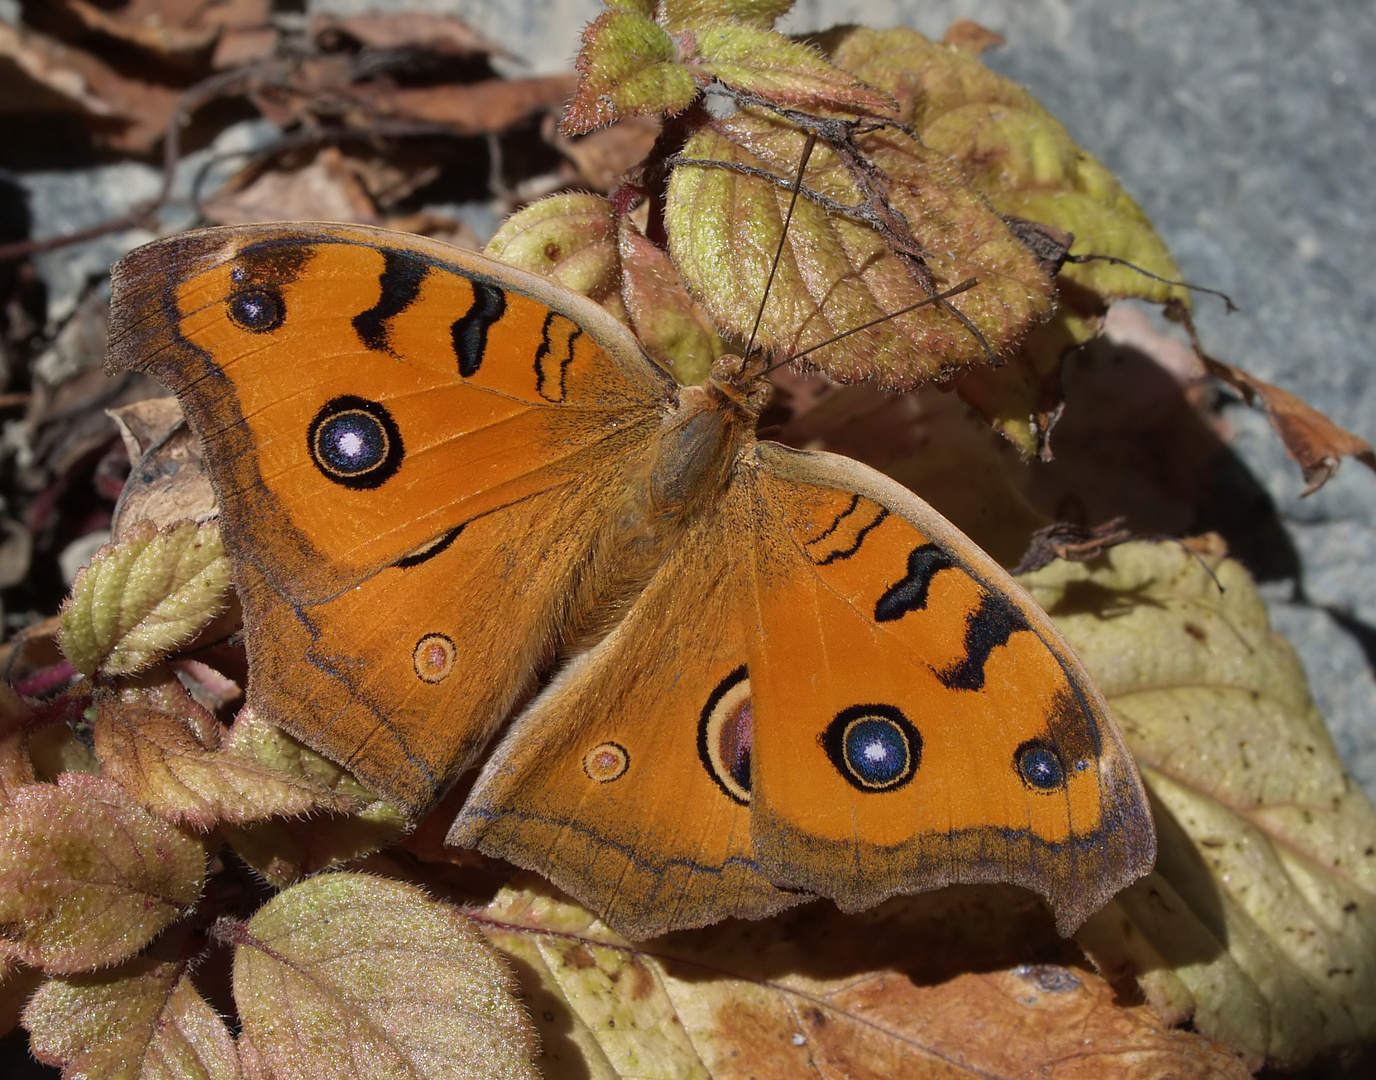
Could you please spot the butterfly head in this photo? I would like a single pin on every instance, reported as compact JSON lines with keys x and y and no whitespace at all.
{"x":743,"y":383}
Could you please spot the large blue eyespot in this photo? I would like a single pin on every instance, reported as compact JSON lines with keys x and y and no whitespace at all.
{"x":355,"y":442}
{"x":1039,"y":766}
{"x":873,"y":747}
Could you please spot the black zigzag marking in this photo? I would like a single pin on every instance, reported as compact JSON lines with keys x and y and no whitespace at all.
{"x":546,"y":359}
{"x":910,"y":593}
{"x":469,"y":333}
{"x":401,"y":279}
{"x":988,"y":626}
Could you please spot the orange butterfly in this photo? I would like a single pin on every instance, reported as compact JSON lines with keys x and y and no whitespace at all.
{"x":775,"y":673}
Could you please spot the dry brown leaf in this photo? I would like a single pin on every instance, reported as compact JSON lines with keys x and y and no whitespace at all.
{"x":603,"y":157}
{"x":323,"y":189}
{"x":426,"y":31}
{"x":167,"y":479}
{"x":171,"y":30}
{"x":1311,"y":439}
{"x":970,"y":36}
{"x":493,"y":105}
{"x":39,"y":74}
{"x":927,"y":987}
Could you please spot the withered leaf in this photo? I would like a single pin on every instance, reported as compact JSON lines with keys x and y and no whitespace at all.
{"x":87,"y":878}
{"x":356,"y":976}
{"x":1311,"y":439}
{"x":1260,"y":920}
{"x":167,"y":481}
{"x":143,"y":597}
{"x":924,"y":987}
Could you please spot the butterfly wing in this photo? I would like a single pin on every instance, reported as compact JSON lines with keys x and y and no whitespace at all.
{"x":391,"y":426}
{"x":918,"y":719}
{"x":602,"y":785}
{"x":827,"y":690}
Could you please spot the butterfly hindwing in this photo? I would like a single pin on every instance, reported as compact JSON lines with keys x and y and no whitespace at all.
{"x":918,"y":719}
{"x":826,"y":690}
{"x":627,"y":780}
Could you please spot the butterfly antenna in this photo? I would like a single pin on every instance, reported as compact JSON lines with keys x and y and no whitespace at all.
{"x":783,"y":237}
{"x":954,"y":290}
{"x":1228,"y":304}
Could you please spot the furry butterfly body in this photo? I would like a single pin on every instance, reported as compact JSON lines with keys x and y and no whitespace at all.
{"x":771,"y":673}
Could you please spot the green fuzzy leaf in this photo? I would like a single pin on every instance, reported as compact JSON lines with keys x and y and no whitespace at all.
{"x":140,"y":1021}
{"x":776,"y":67}
{"x":628,"y":66}
{"x":143,"y":597}
{"x":86,"y":877}
{"x":359,"y":977}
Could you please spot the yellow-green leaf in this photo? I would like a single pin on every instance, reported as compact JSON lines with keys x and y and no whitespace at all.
{"x":1262,"y":911}
{"x":628,"y":66}
{"x":569,"y":238}
{"x":687,"y":14}
{"x":86,"y":877}
{"x":725,"y":218}
{"x":143,"y":597}
{"x":359,"y":977}
{"x":776,"y":67}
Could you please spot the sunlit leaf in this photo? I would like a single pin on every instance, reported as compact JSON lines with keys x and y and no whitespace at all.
{"x":86,"y":877}
{"x":1262,"y":909}
{"x":360,"y":977}
{"x":774,"y":66}
{"x":726,"y":216}
{"x":144,"y":596}
{"x":569,"y":238}
{"x":628,"y":66}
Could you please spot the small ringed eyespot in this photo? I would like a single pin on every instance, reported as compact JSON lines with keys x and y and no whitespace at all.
{"x":874,"y":747}
{"x":433,"y":657}
{"x":256,"y":310}
{"x":606,"y":762}
{"x":355,"y":442}
{"x":1039,"y":766}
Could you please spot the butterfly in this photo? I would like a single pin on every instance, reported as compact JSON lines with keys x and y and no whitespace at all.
{"x":704,"y":675}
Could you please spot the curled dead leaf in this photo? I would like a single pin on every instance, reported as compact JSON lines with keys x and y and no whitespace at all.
{"x":1311,"y":439}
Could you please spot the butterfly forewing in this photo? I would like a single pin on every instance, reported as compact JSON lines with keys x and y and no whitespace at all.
{"x":413,"y":461}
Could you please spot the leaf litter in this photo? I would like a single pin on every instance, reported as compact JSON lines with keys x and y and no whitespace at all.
{"x":375,"y":119}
